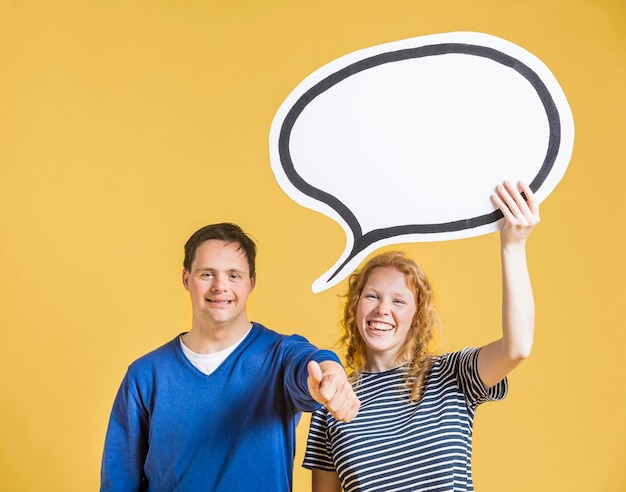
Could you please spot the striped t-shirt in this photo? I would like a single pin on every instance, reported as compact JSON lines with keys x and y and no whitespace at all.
{"x":396,"y":445}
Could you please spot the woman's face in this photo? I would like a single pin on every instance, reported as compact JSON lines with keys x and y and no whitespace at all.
{"x":384,"y":314}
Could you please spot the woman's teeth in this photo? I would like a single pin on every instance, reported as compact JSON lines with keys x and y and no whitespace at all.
{"x":375,"y":325}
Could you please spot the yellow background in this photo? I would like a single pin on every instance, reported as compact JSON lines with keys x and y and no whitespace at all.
{"x":127,"y":124}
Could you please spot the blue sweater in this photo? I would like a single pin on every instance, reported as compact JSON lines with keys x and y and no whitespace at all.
{"x":173,"y":428}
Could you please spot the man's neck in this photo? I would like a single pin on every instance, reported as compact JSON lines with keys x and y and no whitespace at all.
{"x":211,"y":338}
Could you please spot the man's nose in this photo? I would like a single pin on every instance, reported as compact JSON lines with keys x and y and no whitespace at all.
{"x":219,"y":283}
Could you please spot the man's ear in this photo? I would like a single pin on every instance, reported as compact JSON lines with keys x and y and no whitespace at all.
{"x":252,"y":282}
{"x":186,"y":278}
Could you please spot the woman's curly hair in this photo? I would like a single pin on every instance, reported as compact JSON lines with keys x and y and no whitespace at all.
{"x":416,"y":349}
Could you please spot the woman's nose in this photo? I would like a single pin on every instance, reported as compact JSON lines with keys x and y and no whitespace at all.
{"x":383,"y":308}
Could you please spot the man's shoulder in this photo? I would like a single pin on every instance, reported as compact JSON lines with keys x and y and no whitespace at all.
{"x":291,"y":346}
{"x":165,"y":352}
{"x":267,"y":334}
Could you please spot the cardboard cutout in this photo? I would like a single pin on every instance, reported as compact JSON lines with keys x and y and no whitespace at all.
{"x":406,"y":141}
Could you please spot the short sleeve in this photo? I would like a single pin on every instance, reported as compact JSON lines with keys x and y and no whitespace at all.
{"x":317,"y":454}
{"x":466,"y":367}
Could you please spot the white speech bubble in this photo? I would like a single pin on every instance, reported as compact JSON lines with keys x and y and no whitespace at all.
{"x":406,"y":141}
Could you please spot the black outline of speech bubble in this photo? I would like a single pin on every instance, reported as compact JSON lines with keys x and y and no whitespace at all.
{"x":362,"y":241}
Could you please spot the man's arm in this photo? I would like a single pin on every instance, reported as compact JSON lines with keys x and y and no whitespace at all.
{"x":125,"y":445}
{"x":329,"y":386}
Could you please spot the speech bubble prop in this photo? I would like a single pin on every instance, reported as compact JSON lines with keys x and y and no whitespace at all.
{"x":406,"y":141}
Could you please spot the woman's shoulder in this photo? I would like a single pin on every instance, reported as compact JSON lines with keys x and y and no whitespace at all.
{"x":455,"y":360}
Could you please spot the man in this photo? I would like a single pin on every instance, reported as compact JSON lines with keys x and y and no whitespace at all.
{"x":216,"y":408}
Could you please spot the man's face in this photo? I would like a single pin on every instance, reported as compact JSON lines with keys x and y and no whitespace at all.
{"x":219,"y":284}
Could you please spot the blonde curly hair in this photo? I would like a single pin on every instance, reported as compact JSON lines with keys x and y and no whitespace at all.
{"x":416,"y":348}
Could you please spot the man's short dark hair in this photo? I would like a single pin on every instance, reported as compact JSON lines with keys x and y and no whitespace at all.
{"x":225,"y":231}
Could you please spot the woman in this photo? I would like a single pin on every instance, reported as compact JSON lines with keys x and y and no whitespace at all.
{"x":414,"y":429}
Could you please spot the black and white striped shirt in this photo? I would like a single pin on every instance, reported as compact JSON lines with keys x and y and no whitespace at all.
{"x":396,"y":445}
